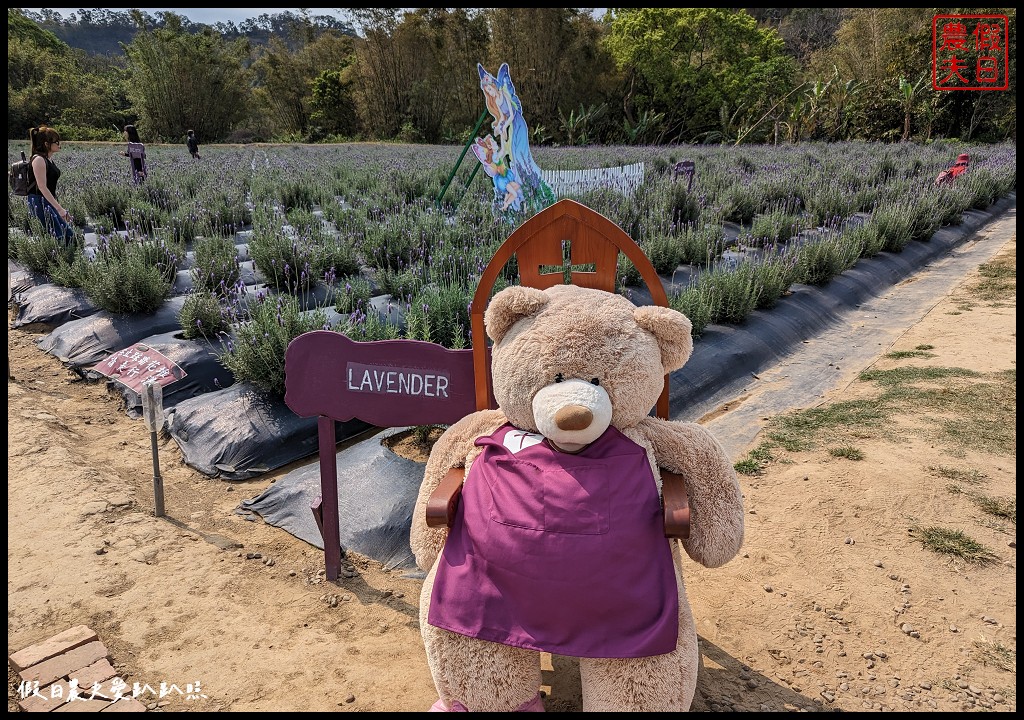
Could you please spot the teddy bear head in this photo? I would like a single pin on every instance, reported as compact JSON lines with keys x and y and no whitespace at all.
{"x":569,"y":361}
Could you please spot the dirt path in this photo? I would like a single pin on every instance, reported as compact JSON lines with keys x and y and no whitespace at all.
{"x":811,"y":616}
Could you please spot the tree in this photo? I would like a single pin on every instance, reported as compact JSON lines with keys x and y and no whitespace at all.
{"x":381,"y":92}
{"x":332,"y":107}
{"x":285,"y":77}
{"x":438,"y":49}
{"x":50,"y":83}
{"x":907,"y":94}
{"x":698,"y":65}
{"x":177,"y":80}
{"x":557,"y":62}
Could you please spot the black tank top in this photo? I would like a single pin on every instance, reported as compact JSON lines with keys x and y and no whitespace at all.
{"x":52,"y":176}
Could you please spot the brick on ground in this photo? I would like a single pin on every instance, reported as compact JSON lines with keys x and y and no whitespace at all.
{"x":51,"y":647}
{"x":126,"y":704}
{"x":45,"y":701}
{"x":99,"y":672}
{"x":65,"y":664}
{"x":84,"y":706}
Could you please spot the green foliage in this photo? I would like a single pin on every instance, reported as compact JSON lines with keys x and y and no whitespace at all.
{"x":256,"y":353}
{"x":202,"y":316}
{"x":955,"y":543}
{"x":775,"y":226}
{"x":739,"y":204}
{"x":702,"y":243}
{"x":664,"y":251}
{"x":699,"y":302}
{"x":39,"y":250}
{"x":737,"y":291}
{"x":690,"y":63}
{"x":354,"y":294}
{"x":71,"y":273}
{"x":846,"y":451}
{"x":895,"y":225}
{"x":110,"y":201}
{"x":296,"y":257}
{"x":129,"y":277}
{"x":775,"y":273}
{"x":820,"y":260}
{"x":215,"y":265}
{"x":830,"y":204}
{"x":290,"y":78}
{"x":626,"y":273}
{"x":369,"y":326}
{"x":440,"y":314}
{"x":178,"y":80}
{"x":644,"y":75}
{"x":866,"y":236}
{"x":399,"y":284}
{"x":333,"y":111}
{"x":682,"y":206}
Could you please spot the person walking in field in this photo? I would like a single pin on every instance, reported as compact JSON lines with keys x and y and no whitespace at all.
{"x":193,"y":144}
{"x":42,"y":192}
{"x":136,"y":153}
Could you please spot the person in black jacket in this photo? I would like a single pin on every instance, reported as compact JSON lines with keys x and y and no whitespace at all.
{"x":42,"y":191}
{"x":193,"y":144}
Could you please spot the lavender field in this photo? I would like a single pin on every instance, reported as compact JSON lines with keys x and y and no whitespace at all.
{"x":255,"y":244}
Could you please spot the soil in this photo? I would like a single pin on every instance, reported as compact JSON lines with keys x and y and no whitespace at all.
{"x":832,"y":603}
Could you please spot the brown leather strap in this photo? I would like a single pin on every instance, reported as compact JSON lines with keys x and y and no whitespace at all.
{"x":676,"y":505}
{"x":444,"y":500}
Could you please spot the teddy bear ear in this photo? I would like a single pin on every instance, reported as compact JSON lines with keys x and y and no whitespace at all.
{"x":672,"y":329}
{"x":510,"y":305}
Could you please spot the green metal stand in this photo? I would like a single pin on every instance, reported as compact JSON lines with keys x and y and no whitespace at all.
{"x":451,"y":175}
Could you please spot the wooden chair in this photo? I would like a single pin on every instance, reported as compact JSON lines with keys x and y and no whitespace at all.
{"x":538,"y":245}
{"x":319,"y":364}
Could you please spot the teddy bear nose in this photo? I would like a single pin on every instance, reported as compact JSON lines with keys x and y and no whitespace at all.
{"x":573,"y":417}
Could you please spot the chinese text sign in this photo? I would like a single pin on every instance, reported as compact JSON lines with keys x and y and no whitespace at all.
{"x":970,"y":52}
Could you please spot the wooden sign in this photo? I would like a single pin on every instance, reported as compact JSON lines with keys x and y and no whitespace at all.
{"x":387,"y":383}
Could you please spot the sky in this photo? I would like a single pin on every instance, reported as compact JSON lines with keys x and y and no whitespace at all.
{"x":210,"y":16}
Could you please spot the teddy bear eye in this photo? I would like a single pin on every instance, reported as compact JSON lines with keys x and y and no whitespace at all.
{"x":559,"y":378}
{"x":595,"y":381}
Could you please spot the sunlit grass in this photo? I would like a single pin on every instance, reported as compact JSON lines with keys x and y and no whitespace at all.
{"x":846,"y":451}
{"x":996,"y":654}
{"x":955,"y":543}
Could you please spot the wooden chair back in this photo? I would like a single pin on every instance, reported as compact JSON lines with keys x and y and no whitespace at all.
{"x":564,"y":231}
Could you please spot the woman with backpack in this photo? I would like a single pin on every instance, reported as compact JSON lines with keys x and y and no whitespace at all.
{"x":42,"y":191}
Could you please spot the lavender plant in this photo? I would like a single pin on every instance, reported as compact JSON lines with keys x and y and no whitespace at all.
{"x":134,"y":279}
{"x":202,"y":315}
{"x":256,"y":353}
{"x":215,"y":267}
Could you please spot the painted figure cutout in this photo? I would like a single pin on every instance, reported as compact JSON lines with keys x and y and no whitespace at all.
{"x":506,"y":188}
{"x":505,"y":154}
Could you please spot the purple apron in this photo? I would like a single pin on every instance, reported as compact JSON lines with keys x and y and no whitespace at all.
{"x":559,"y":553}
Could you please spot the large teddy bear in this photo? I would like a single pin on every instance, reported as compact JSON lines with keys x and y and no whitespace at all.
{"x":558,"y":541}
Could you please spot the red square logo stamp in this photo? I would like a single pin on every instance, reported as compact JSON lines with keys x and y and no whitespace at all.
{"x":970,"y":52}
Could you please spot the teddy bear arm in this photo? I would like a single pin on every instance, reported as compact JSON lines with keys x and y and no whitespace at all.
{"x":450,"y":451}
{"x":712,"y":489}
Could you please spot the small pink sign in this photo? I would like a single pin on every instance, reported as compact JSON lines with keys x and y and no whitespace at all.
{"x":136,"y":364}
